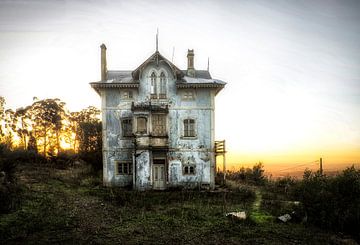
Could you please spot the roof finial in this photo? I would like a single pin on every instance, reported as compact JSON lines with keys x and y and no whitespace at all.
{"x":208,"y":64}
{"x":172,"y":58}
{"x":157,"y":39}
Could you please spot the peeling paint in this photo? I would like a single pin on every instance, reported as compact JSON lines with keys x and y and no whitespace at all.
{"x":176,"y":152}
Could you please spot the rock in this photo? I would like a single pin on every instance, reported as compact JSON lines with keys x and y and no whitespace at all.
{"x":284,"y":218}
{"x":237,"y":215}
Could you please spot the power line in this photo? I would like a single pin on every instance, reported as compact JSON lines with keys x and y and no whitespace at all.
{"x":298,"y":166}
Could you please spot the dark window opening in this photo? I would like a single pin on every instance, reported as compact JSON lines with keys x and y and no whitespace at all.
{"x":124,"y":168}
{"x":126,"y":125}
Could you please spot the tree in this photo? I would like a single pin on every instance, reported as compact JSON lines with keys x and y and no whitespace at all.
{"x":89,"y":129}
{"x":2,"y":118}
{"x":47,"y":118}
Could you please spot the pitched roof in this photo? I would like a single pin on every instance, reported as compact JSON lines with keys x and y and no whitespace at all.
{"x":130,"y":79}
{"x":200,"y":74}
{"x":157,"y":57}
{"x":118,"y":75}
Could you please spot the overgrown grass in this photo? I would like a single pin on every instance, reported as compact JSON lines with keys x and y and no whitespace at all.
{"x":71,"y":206}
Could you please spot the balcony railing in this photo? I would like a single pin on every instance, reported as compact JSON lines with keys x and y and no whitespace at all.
{"x":158,"y":96}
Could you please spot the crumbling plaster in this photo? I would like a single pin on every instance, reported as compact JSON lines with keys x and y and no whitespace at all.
{"x":197,"y":151}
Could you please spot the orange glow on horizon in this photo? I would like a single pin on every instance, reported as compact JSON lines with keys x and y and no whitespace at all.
{"x":333,"y":159}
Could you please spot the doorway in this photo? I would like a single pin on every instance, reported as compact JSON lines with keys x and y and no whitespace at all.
{"x":159,"y":174}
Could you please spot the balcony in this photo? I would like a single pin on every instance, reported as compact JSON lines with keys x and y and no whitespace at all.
{"x":149,"y":141}
{"x":158,"y":96}
{"x":150,"y":106}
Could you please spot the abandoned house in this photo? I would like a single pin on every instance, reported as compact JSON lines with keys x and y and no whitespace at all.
{"x":158,"y":124}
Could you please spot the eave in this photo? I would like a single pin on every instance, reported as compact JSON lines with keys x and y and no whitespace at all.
{"x":99,"y":85}
{"x":218,"y":87}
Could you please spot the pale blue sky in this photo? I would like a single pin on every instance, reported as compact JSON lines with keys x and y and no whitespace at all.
{"x":292,"y":67}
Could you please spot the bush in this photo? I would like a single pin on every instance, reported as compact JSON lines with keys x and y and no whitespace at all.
{"x":94,"y":158}
{"x":253,"y":176}
{"x":8,"y":184}
{"x":332,"y":202}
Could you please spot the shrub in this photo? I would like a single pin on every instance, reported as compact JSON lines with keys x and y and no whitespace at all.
{"x":8,"y":184}
{"x":254,"y":175}
{"x":332,"y":202}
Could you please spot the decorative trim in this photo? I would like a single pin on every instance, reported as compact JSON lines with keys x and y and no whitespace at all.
{"x":114,"y":85}
{"x":200,"y":85}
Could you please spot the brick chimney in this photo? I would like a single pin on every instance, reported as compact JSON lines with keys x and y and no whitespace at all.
{"x":190,"y":57}
{"x":103,"y":63}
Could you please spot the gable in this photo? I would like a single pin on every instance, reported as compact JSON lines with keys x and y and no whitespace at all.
{"x":157,"y":59}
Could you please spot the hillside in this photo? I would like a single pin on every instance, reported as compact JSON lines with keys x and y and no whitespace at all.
{"x":70,"y":206}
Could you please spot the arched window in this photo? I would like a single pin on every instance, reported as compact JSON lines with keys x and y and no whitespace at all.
{"x":162,"y":93}
{"x":153,"y":83}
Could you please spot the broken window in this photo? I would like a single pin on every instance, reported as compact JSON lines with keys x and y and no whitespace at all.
{"x":153,"y":85}
{"x":126,"y":125}
{"x":158,"y":124}
{"x":189,"y":128}
{"x":141,"y":125}
{"x":162,"y":93}
{"x":189,"y":170}
{"x":188,"y":95}
{"x":127,"y":94}
{"x":123,"y":168}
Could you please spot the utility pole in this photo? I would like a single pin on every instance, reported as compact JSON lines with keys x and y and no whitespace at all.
{"x":321,"y":167}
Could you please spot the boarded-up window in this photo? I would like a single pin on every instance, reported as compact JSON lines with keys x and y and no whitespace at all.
{"x":126,"y":125}
{"x":189,"y":128}
{"x":123,"y":167}
{"x":158,"y":124}
{"x":141,"y":125}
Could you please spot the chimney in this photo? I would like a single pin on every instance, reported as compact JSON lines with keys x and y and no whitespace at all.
{"x":190,"y":69}
{"x":103,"y":63}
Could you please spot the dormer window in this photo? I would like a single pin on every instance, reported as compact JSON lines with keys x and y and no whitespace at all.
{"x":162,"y":92}
{"x":158,"y":86}
{"x":153,"y":85}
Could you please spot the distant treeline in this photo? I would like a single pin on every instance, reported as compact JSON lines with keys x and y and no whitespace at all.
{"x":49,"y":128}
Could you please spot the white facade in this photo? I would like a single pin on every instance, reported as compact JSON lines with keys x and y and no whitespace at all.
{"x":158,"y":125}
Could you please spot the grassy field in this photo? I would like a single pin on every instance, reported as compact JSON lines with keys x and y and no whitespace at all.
{"x":70,"y":206}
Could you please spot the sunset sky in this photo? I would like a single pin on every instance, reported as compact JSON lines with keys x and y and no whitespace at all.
{"x":292,"y":67}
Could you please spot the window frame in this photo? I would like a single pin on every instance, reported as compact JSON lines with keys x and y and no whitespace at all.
{"x":130,"y":134}
{"x":189,"y":169}
{"x":124,"y":165}
{"x":162,"y":86}
{"x":186,"y":128}
{"x":137,"y":125}
{"x":129,"y":93}
{"x":153,"y":125}
{"x":185,"y":95}
{"x":153,"y":85}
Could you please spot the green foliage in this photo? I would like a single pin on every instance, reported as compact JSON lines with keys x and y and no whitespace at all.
{"x":9,"y":189}
{"x":332,"y":202}
{"x":254,"y":175}
{"x":67,"y":206}
{"x":38,"y":214}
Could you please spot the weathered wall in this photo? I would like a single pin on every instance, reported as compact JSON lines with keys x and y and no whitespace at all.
{"x":115,"y":146}
{"x":143,"y":170}
{"x":197,"y":151}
